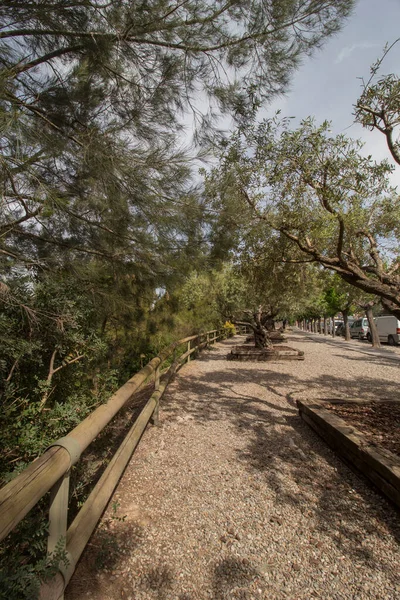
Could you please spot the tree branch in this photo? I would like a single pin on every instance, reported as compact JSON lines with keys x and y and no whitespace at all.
{"x":8,"y":378}
{"x":52,"y":371}
{"x":21,"y":68}
{"x":373,"y":252}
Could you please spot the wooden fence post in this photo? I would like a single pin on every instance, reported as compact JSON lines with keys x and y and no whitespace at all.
{"x":51,"y":471}
{"x":58,"y":517}
{"x":155,"y":417}
{"x":58,"y":511}
{"x":157,"y":379}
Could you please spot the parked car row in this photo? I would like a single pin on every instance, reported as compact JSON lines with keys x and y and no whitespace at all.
{"x":338,"y":325}
{"x":388,"y":328}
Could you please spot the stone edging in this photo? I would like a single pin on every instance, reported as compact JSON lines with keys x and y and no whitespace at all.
{"x":380,"y":466}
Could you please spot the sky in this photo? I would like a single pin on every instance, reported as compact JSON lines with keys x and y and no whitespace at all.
{"x":328,"y":84}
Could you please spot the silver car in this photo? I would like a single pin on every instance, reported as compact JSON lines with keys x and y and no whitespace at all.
{"x":359,"y":329}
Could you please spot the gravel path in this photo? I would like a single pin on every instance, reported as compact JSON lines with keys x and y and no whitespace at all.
{"x":235,"y":497}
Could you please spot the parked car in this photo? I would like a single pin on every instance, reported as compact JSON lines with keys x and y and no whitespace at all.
{"x":340,"y":327}
{"x":359,"y":329}
{"x":329,"y":326}
{"x":388,"y":329}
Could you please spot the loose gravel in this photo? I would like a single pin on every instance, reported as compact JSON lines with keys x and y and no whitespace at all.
{"x":234,"y":497}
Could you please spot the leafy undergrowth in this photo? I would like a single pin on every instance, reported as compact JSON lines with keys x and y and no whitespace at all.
{"x":23,"y":562}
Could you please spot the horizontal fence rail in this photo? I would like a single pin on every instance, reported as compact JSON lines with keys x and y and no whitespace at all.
{"x":51,"y":471}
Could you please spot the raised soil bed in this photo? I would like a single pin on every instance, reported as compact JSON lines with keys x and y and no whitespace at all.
{"x":251,"y":353}
{"x":378,"y":464}
{"x":377,"y":420}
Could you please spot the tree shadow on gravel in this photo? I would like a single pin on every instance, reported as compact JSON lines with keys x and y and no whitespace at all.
{"x":362,"y":387}
{"x":159,"y":579}
{"x":232,"y":573}
{"x":288,"y":453}
{"x":103,"y":555}
{"x":361,"y":346}
{"x":376,"y":360}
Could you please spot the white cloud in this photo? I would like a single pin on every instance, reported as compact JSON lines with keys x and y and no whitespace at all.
{"x":348,"y":50}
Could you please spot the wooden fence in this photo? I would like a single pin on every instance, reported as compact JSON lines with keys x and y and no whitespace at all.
{"x":51,"y":471}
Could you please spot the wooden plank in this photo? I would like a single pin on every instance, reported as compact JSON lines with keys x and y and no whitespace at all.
{"x":382,"y":469}
{"x":84,"y":523}
{"x":350,"y":401}
{"x":86,"y":520}
{"x":88,"y":429}
{"x":188,"y":353}
{"x":387,"y":463}
{"x":352,"y":460}
{"x":22,"y":493}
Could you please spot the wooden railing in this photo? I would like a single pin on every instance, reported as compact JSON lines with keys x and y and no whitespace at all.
{"x":51,"y":471}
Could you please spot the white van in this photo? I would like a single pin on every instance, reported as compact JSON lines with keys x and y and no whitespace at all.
{"x":388,"y":329}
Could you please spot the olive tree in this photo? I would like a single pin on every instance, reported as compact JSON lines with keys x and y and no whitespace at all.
{"x":318,"y":191}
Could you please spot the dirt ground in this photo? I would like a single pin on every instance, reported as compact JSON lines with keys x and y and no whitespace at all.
{"x":378,"y":421}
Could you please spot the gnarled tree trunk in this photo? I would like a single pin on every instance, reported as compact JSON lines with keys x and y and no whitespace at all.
{"x":261,"y":337}
{"x":345,"y":313}
{"x":375,"y":341}
{"x":259,"y":326}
